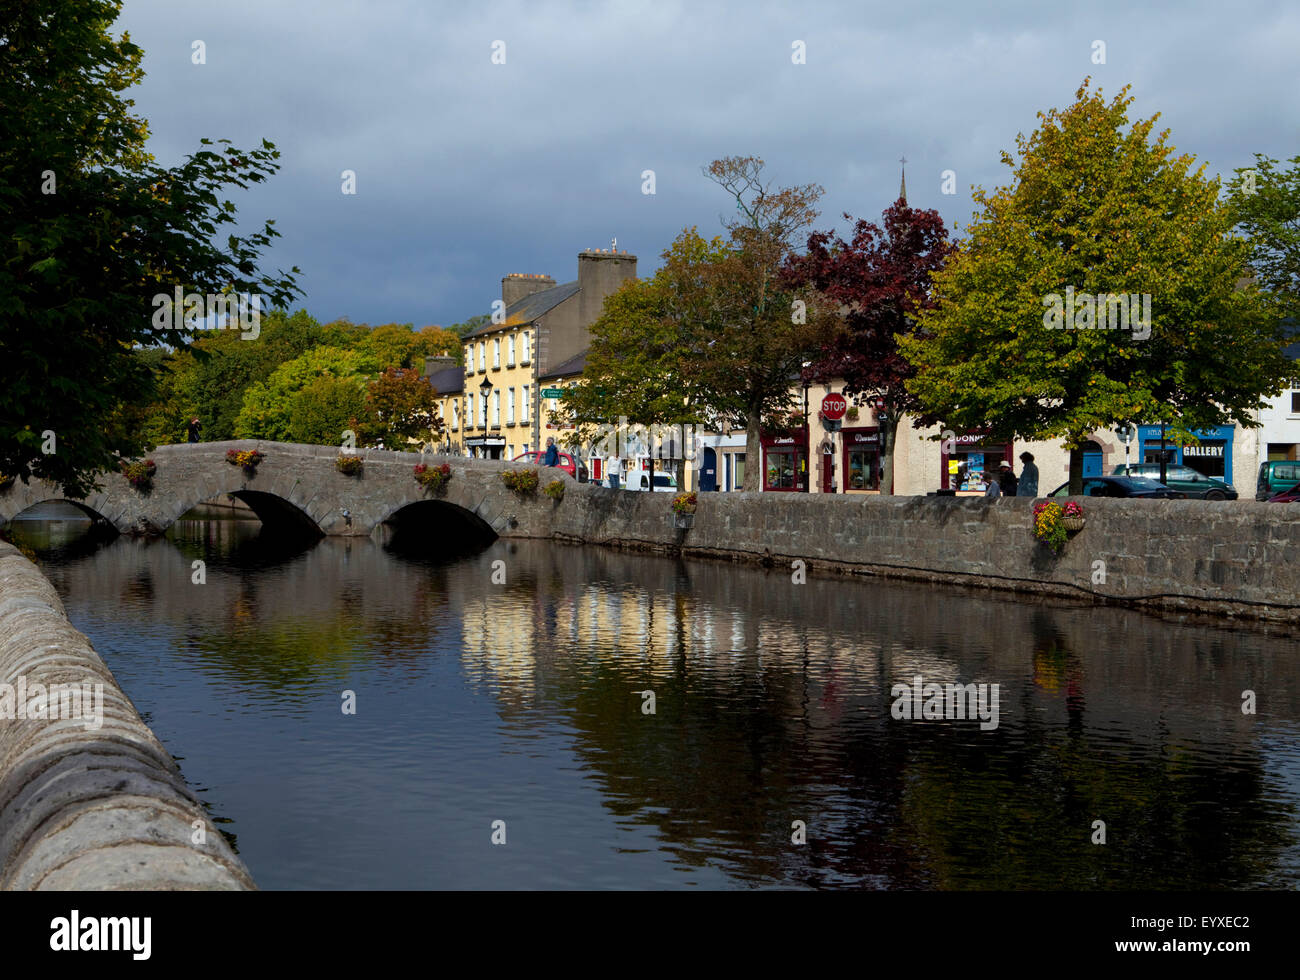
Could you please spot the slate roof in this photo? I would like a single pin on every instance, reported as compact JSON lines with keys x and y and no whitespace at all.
{"x":531,"y":307}
{"x":448,"y":381}
{"x":572,"y":366}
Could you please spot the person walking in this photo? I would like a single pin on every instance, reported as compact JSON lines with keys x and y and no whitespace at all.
{"x":192,"y":430}
{"x":1007,"y":479}
{"x":611,"y":470}
{"x":552,"y":457}
{"x":1028,"y":486}
{"x":991,"y":486}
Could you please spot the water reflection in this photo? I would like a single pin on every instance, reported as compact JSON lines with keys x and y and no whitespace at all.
{"x":521,"y":700}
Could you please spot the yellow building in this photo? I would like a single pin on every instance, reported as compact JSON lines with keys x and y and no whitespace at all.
{"x":491,"y":407}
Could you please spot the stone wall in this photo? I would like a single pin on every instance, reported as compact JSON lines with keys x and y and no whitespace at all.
{"x":1222,"y":557}
{"x":84,"y":807}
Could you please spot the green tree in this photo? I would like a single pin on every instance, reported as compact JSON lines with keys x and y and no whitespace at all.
{"x":324,"y":409}
{"x":1265,"y":202}
{"x":637,"y":366}
{"x":1096,"y":209}
{"x":269,"y":407}
{"x":92,"y":231}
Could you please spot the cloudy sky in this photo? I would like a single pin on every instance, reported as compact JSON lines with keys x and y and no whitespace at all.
{"x":468,"y":170}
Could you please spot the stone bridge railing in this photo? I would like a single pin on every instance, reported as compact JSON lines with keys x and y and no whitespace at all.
{"x":295,"y":484}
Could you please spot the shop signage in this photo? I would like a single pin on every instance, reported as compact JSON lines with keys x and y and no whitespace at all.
{"x":1207,"y":451}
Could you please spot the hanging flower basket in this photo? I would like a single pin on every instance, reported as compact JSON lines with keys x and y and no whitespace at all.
{"x":1072,"y":517}
{"x":349,"y":465}
{"x":554,"y":490}
{"x":245,"y":459}
{"x":522,"y":482}
{"x":432,"y":478}
{"x":140,"y":474}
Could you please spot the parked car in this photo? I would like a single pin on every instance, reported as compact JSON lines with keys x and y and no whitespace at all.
{"x":1120,"y":486}
{"x":1184,"y":479}
{"x":1276,"y":476}
{"x":1288,"y":496}
{"x":576,"y":468}
{"x":663,"y":482}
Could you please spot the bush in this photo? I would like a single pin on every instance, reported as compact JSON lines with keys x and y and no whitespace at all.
{"x":139,"y":474}
{"x":522,"y":482}
{"x":349,"y":465}
{"x":554,"y":490}
{"x":432,"y":477}
{"x":684,"y":503}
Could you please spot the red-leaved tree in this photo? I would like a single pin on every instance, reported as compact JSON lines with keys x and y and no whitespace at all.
{"x":879,"y":279}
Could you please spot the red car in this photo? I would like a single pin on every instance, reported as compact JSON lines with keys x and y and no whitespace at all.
{"x":576,"y":468}
{"x":1291,"y":496}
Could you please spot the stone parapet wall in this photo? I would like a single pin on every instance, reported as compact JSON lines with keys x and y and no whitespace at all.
{"x":86,"y":808}
{"x":1222,"y":557}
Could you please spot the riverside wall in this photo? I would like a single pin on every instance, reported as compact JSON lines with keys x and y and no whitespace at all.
{"x":86,"y":808}
{"x":1228,"y":558}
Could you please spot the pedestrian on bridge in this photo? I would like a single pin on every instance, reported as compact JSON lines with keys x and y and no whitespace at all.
{"x":552,"y":457}
{"x":193,"y":430}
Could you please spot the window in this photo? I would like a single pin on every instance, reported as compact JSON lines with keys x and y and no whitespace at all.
{"x":864,"y":469}
{"x":482,"y":412}
{"x":510,"y":351}
{"x":525,"y":353}
{"x":782,"y":470}
{"x":496,"y":354}
{"x":496,"y":408}
{"x":510,"y":406}
{"x":482,"y":356}
{"x":455,"y":415}
{"x":1295,"y":403}
{"x":524,"y":406}
{"x":740,"y":470}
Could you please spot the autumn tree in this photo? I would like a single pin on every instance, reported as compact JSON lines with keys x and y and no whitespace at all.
{"x":401,"y":405}
{"x":878,"y":280}
{"x":92,"y":230}
{"x":1102,"y":286}
{"x":744,"y":331}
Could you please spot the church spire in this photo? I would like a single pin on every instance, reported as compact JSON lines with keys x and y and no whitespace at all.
{"x":902,"y":187}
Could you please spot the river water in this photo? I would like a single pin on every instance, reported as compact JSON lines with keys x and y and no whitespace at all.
{"x":509,"y":684}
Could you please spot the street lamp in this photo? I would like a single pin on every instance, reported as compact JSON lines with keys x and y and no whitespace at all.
{"x":486,"y":389}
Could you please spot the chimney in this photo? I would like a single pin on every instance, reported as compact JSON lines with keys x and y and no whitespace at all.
{"x":600,"y":273}
{"x":516,"y":286}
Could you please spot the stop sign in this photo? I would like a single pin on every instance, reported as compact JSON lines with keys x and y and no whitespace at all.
{"x":833,"y":407}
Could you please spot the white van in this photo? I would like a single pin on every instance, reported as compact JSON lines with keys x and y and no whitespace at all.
{"x":663,"y":482}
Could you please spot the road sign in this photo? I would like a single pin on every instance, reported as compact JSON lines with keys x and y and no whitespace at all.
{"x":833,"y":407}
{"x":1126,"y":433}
{"x":552,"y":392}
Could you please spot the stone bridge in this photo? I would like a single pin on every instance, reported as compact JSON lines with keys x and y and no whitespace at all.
{"x":297,"y":487}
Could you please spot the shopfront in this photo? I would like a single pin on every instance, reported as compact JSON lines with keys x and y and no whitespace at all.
{"x":1212,"y":457}
{"x":973,"y":454}
{"x":785,"y":461}
{"x":861,"y":454}
{"x":486,"y":447}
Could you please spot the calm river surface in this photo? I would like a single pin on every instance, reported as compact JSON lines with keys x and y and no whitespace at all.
{"x":521,"y":702}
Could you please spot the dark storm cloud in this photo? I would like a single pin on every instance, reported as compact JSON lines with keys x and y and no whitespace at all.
{"x":468,"y":170}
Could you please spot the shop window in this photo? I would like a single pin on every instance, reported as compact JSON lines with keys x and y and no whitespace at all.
{"x":864,"y":470}
{"x":782,"y":469}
